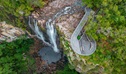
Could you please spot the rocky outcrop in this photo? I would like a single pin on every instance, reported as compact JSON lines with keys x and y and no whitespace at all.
{"x":9,"y":33}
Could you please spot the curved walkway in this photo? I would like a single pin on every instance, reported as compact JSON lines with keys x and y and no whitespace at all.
{"x":84,"y":45}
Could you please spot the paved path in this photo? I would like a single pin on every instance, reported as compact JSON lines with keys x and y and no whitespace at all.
{"x":83,"y":46}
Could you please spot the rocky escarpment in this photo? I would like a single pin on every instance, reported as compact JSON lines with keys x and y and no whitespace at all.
{"x":9,"y":33}
{"x":66,"y":25}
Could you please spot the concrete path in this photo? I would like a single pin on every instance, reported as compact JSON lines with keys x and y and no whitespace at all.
{"x":85,"y":45}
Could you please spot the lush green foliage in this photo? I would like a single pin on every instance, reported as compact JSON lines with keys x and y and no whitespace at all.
{"x":110,"y":33}
{"x":13,"y":58}
{"x":15,"y":11}
{"x":66,"y":70}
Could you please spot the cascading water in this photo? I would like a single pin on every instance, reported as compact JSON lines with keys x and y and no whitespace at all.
{"x":38,"y":33}
{"x":51,"y":31}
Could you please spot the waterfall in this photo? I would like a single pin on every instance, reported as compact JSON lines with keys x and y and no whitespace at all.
{"x":51,"y":32}
{"x":37,"y":31}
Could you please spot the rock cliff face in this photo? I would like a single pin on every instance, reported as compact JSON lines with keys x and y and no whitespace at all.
{"x":66,"y":25}
{"x":9,"y":33}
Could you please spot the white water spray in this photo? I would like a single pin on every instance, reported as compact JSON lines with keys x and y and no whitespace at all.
{"x":38,"y":33}
{"x":51,"y":31}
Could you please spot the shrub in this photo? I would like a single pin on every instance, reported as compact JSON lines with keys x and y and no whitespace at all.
{"x":66,"y":70}
{"x":13,"y":58}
